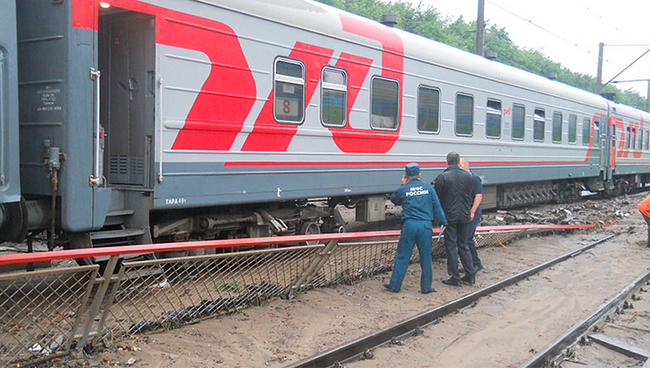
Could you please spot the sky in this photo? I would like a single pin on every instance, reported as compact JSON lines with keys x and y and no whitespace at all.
{"x":569,"y":31}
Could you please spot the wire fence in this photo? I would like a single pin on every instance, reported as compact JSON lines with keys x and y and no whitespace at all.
{"x":45,"y":314}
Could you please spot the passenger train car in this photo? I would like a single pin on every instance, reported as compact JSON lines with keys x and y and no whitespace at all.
{"x":157,"y":120}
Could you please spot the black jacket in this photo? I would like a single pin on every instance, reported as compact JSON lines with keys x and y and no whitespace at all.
{"x":455,"y":188}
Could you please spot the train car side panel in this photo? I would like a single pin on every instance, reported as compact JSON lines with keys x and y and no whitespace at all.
{"x":57,"y":114}
{"x":9,"y":171}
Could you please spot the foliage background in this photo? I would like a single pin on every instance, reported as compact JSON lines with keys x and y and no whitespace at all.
{"x":428,"y":22}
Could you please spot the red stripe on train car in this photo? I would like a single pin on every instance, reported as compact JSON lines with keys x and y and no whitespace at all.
{"x":391,"y":163}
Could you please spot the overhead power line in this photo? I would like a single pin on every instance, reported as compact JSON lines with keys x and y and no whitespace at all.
{"x":542,"y":28}
{"x":574,"y":44}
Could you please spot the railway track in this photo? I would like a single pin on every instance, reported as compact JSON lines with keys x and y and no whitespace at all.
{"x":394,"y":344}
{"x":610,"y":326}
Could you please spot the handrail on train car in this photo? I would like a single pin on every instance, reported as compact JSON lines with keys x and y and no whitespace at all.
{"x":242,"y":242}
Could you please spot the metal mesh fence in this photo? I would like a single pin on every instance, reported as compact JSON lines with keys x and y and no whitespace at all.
{"x":43,"y":314}
{"x":40,"y":312}
{"x":350,"y":262}
{"x":165,"y":294}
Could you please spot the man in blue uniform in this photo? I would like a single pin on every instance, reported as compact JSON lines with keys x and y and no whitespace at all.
{"x":476,"y":214}
{"x":454,"y":188}
{"x":419,"y":204}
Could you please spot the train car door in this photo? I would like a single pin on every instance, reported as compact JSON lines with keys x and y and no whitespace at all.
{"x":127,"y":64}
{"x":612,"y":144}
{"x":600,"y":143}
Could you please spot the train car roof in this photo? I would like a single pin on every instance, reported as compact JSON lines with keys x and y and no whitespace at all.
{"x":323,"y":19}
{"x":629,"y":112}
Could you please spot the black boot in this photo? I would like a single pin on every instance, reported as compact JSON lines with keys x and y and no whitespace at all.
{"x":451,"y":281}
{"x":468,"y":279}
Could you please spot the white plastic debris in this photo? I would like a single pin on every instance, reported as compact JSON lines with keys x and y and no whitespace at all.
{"x":35,"y":348}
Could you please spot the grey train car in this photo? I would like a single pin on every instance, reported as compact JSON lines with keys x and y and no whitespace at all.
{"x":10,"y":205}
{"x":155,"y":120}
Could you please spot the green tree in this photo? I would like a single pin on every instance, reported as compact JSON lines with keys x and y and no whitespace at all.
{"x":427,"y":22}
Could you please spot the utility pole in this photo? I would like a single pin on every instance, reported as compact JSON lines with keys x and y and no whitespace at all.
{"x":599,"y":73}
{"x":480,"y":27}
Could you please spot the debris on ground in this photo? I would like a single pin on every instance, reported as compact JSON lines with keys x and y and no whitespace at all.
{"x":590,"y":211}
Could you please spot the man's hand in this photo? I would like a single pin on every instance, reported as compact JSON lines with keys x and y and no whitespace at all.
{"x":405,"y":179}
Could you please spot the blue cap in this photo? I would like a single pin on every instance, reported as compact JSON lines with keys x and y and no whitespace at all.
{"x":412,"y":169}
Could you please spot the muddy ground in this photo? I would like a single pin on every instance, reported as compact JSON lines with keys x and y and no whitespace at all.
{"x":287,"y":331}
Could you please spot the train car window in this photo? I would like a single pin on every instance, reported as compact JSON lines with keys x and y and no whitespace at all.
{"x":539,"y":125}
{"x":627,"y":138}
{"x":647,"y":140}
{"x":586,"y":129}
{"x":633,"y":139}
{"x":385,"y":104}
{"x":289,"y":91}
{"x":428,"y":109}
{"x":639,"y":144}
{"x":573,"y":128}
{"x":596,"y":134}
{"x":493,"y":119}
{"x":557,"y":127}
{"x":518,"y":121}
{"x":334,"y":91}
{"x":464,"y":115}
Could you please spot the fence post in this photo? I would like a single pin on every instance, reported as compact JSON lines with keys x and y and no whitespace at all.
{"x":84,"y":302}
{"x":97,"y":301}
{"x":109,"y":301}
{"x":314,"y":267}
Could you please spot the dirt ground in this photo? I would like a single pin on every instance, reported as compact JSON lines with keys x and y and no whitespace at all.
{"x":287,"y":331}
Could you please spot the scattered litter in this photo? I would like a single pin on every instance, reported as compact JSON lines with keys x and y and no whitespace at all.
{"x":54,"y":345}
{"x":161,"y":285}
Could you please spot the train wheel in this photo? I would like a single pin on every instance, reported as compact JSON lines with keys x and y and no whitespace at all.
{"x":309,"y":228}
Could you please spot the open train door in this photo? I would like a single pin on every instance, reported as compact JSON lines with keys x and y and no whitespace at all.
{"x":127,"y":63}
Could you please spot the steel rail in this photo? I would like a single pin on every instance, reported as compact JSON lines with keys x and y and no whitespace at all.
{"x":552,"y":350}
{"x":355,"y":349}
{"x":243,"y":242}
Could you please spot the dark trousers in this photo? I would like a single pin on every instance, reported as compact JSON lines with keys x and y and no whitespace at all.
{"x":470,"y":238}
{"x":413,"y":231}
{"x":455,"y":244}
{"x":647,"y":221}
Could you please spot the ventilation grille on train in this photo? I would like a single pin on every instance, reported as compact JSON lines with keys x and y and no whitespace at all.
{"x":120,"y":165}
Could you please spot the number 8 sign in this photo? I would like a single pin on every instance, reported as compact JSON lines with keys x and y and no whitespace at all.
{"x":287,"y":109}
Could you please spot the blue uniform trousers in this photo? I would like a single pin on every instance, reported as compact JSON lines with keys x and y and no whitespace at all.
{"x":413,"y":231}
{"x":470,"y":238}
{"x":455,"y":244}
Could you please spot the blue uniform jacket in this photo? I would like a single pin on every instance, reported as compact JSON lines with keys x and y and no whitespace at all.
{"x":419,"y":202}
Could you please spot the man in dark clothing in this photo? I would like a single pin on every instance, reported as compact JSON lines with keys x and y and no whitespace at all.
{"x":475,"y":213}
{"x":455,"y":187}
{"x":419,"y":205}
